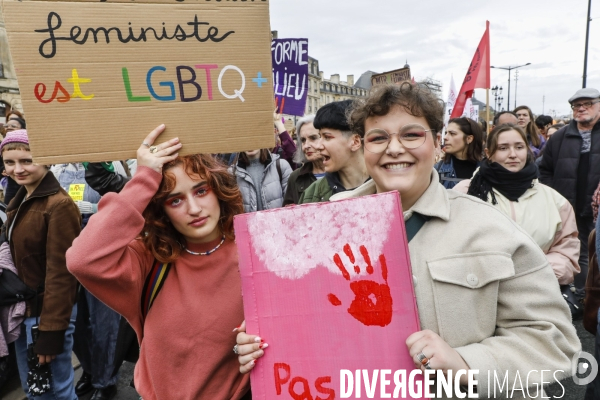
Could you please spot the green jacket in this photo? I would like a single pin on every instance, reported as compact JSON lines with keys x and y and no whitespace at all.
{"x":317,"y":192}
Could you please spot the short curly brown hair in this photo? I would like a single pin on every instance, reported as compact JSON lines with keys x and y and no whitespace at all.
{"x":417,"y":100}
{"x":159,"y":235}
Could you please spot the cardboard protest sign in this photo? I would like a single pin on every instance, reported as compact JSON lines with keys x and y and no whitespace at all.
{"x":290,"y":75}
{"x":396,"y":77}
{"x":97,"y":76}
{"x":329,"y":287}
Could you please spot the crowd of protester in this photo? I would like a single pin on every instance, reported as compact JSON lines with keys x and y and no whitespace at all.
{"x":96,"y":243}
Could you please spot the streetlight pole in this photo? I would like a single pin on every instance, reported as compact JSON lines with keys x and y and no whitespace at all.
{"x":510,"y":68}
{"x":497,"y":92}
{"x":587,"y":41}
{"x":516,"y":81}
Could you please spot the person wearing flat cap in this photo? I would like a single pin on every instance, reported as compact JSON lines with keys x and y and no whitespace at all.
{"x":571,"y":167}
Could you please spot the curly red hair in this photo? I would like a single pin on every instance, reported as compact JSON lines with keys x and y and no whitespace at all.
{"x":159,"y":235}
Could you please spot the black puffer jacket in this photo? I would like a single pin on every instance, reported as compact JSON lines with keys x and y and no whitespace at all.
{"x":558,"y":168}
{"x":104,"y":181}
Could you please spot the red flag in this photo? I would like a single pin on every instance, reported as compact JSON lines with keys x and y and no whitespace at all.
{"x":478,"y":75}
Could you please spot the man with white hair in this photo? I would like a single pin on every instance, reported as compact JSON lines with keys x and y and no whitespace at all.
{"x":571,"y":167}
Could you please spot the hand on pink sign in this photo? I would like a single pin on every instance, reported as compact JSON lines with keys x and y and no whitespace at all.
{"x":372,"y":305}
{"x":249,"y":348}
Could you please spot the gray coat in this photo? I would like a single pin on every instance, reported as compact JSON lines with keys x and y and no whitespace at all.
{"x":272,"y":189}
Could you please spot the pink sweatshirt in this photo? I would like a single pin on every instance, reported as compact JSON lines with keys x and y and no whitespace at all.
{"x":186,"y":352}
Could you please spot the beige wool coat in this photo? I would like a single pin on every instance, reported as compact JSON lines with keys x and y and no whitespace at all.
{"x":488,"y":290}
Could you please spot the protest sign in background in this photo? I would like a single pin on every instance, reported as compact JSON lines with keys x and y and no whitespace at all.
{"x":392,"y":77}
{"x":471,"y":111}
{"x":96,"y":77}
{"x":290,"y":75}
{"x":452,"y":93}
{"x":328,"y":286}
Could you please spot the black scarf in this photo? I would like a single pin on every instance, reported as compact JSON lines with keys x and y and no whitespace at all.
{"x":512,"y":185}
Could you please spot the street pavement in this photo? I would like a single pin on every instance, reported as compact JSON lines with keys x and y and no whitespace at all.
{"x":571,"y":390}
{"x":12,"y":390}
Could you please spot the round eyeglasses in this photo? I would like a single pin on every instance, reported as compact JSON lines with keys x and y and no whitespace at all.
{"x":411,"y":136}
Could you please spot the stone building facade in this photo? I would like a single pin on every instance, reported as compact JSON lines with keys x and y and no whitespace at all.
{"x":9,"y":88}
{"x":323,"y":91}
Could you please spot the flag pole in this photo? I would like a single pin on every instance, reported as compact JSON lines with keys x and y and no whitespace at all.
{"x":487,"y":110}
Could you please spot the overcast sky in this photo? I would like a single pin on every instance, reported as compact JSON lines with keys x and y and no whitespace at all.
{"x":439,"y":38}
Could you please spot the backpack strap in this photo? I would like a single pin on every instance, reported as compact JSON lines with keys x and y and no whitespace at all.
{"x":414,"y":225}
{"x":154,"y":283}
{"x":278,"y":165}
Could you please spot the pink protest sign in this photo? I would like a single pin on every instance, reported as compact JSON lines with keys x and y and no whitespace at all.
{"x":329,"y":287}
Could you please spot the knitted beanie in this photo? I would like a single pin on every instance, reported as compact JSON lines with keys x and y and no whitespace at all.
{"x":18,"y":136}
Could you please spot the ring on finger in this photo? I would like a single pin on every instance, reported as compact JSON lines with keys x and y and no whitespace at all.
{"x":423,"y":358}
{"x":427,"y":365}
{"x":153,"y":149}
{"x":146,"y":144}
{"x":235,"y":349}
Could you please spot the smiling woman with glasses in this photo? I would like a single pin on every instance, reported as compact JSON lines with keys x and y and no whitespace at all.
{"x":411,"y":136}
{"x":486,"y":295}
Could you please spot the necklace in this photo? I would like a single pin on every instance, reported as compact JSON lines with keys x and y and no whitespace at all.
{"x":206,"y":252}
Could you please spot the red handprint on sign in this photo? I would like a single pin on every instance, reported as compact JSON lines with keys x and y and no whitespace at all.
{"x":372,"y":305}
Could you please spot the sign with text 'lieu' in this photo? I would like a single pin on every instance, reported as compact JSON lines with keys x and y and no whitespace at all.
{"x":329,"y":287}
{"x":290,"y":75}
{"x":96,"y":76}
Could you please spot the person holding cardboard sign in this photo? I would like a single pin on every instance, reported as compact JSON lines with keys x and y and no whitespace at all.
{"x":488,"y":300}
{"x":177,"y":283}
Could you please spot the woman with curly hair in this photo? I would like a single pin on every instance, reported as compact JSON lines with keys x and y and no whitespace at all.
{"x":487,"y":298}
{"x":176,"y":212}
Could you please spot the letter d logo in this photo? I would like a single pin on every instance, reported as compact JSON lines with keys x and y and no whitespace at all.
{"x":583,"y":367}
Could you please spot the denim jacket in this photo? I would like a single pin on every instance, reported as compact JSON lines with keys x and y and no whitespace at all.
{"x":447,"y":173}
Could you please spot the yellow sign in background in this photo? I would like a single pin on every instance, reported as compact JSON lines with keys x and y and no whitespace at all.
{"x":96,"y":76}
{"x":76,"y":191}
